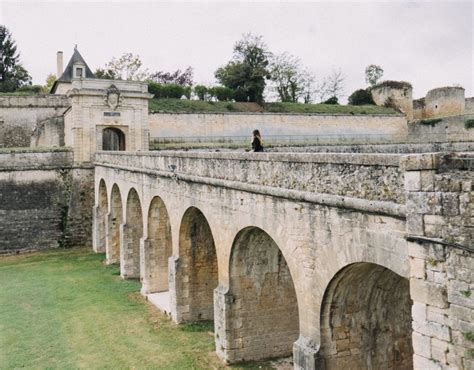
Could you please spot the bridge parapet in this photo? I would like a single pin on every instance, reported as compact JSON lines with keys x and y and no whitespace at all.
{"x":374,"y":177}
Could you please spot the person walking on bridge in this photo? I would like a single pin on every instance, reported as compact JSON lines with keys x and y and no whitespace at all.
{"x":257,"y":142}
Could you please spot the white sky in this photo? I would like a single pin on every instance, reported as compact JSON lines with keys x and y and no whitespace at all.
{"x":429,"y":44}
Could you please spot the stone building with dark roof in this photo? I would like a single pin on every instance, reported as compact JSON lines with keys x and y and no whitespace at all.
{"x":77,"y":68}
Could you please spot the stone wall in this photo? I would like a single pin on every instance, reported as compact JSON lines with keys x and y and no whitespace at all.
{"x":440,"y":230}
{"x":44,"y":202}
{"x":449,"y":147}
{"x":182,"y":127}
{"x":20,"y":114}
{"x":445,"y":129}
{"x":48,"y":133}
{"x":469,"y":105}
{"x":368,"y":176}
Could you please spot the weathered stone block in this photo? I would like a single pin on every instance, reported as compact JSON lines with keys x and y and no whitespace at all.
{"x":417,"y":268}
{"x":412,"y":181}
{"x":424,"y":363}
{"x":429,"y":293}
{"x":421,"y":344}
{"x":418,"y":312}
{"x":415,"y":224}
{"x":433,"y":329}
{"x":415,"y":162}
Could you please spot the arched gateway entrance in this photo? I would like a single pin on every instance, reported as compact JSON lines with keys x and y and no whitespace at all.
{"x":113,"y":139}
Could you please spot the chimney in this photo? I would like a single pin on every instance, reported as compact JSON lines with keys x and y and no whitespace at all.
{"x":59,"y":64}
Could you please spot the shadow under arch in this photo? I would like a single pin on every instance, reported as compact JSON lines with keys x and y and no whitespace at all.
{"x":262,"y":322}
{"x":132,"y":231}
{"x":366,"y":320}
{"x":115,"y":219}
{"x":197,"y":271}
{"x":158,"y":248}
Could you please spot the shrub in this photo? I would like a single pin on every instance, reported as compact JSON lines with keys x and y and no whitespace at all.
{"x":201,"y":91}
{"x":36,"y":89}
{"x":332,"y":100}
{"x":431,"y":121}
{"x":187,"y":92}
{"x":361,"y":97}
{"x":221,"y":93}
{"x":469,"y":123}
{"x":393,"y":84}
{"x":162,"y":91}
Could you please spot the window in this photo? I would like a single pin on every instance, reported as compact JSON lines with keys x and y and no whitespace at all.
{"x":79,"y":72}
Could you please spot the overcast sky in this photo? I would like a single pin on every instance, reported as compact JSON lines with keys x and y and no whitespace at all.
{"x":429,"y":44}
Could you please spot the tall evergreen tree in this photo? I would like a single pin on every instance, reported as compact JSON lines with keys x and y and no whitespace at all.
{"x":12,"y":73}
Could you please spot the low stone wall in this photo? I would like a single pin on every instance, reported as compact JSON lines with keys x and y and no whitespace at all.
{"x":367,"y":176}
{"x":399,"y":148}
{"x":184,"y":127}
{"x":44,"y":202}
{"x":20,"y":114}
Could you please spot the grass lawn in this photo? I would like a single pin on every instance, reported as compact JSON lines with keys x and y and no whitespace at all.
{"x":66,"y":309}
{"x":196,"y":106}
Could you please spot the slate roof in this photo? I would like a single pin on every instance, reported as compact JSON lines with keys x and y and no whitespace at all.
{"x":76,"y":58}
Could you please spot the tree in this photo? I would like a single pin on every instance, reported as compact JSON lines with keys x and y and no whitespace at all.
{"x":291,"y":80}
{"x":177,"y":77}
{"x":12,"y":73}
{"x":247,"y":71}
{"x":106,"y":74}
{"x":202,"y":92}
{"x":335,"y":84}
{"x":49,"y":82}
{"x":127,"y":67}
{"x":373,"y":73}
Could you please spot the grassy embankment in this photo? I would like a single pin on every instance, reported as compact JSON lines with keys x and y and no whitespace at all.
{"x":66,"y":309}
{"x":196,"y":106}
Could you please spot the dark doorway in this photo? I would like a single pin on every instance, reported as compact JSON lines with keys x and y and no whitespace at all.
{"x":113,"y":139}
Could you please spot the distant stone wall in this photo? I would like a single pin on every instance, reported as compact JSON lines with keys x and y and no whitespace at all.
{"x":181,"y":127}
{"x":44,"y":202}
{"x":442,"y":129}
{"x":20,"y":114}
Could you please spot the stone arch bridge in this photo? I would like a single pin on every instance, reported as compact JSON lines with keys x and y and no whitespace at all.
{"x":339,"y":259}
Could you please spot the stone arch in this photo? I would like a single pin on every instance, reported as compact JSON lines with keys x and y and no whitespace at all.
{"x":366,"y":320}
{"x":197,"y":270}
{"x":262,"y":320}
{"x":158,"y":248}
{"x":132,"y":231}
{"x":114,"y":220}
{"x":100,"y":215}
{"x":113,"y":139}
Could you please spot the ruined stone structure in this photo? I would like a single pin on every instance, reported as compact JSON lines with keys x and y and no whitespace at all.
{"x":439,"y":102}
{"x":342,"y":260}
